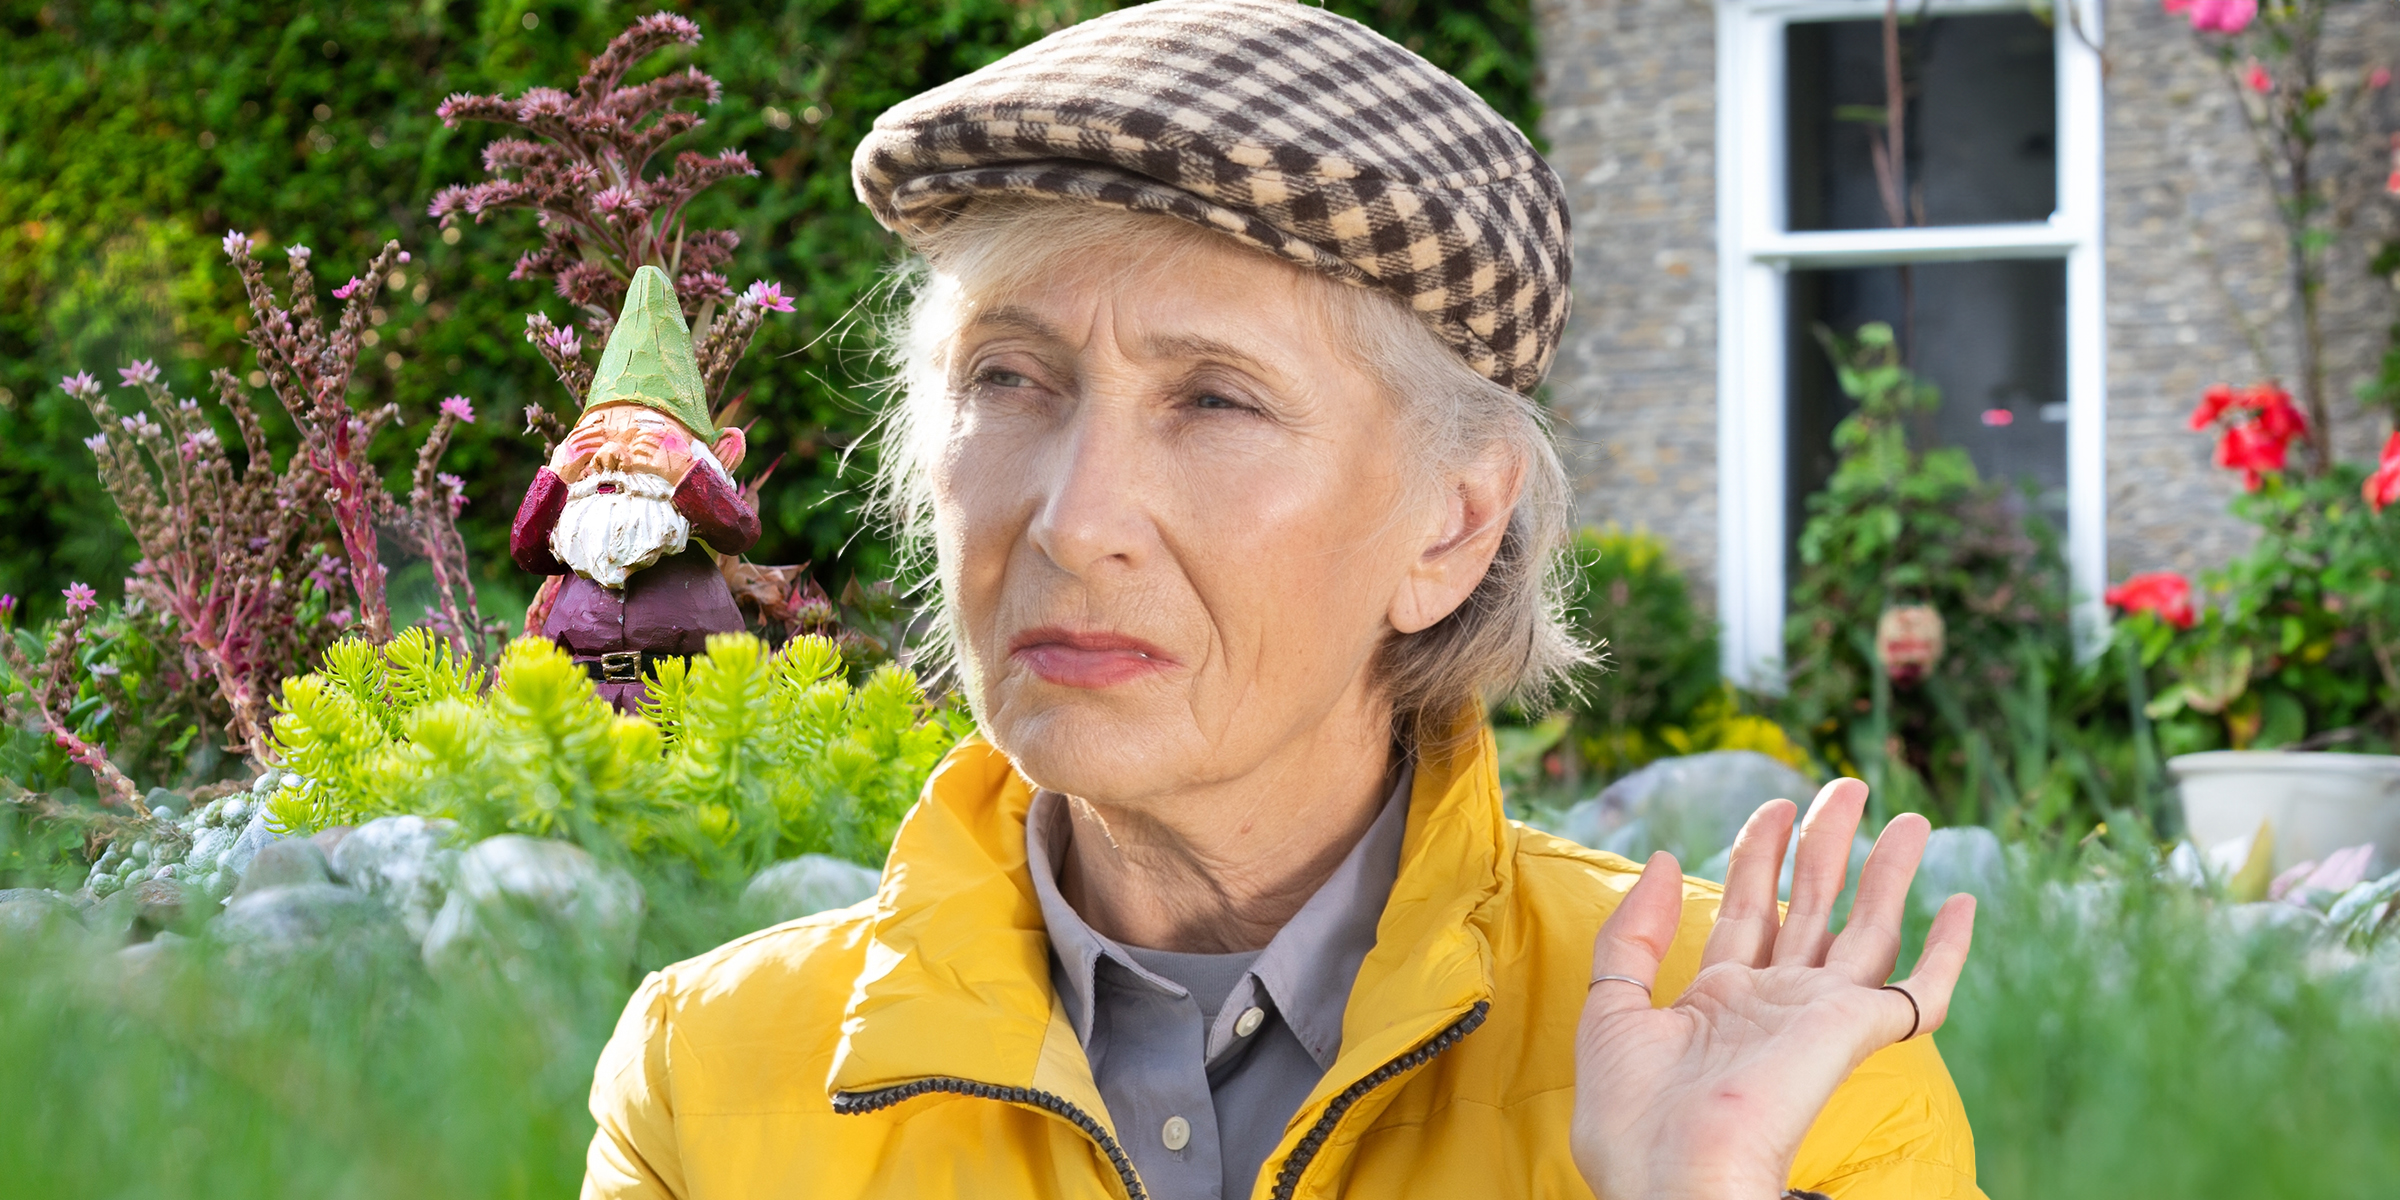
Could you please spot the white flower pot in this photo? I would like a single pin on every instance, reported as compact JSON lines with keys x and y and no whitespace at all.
{"x":2316,"y":803}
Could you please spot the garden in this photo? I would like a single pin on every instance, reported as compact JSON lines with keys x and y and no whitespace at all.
{"x":328,"y":856}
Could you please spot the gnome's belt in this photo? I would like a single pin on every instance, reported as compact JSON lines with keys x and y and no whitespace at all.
{"x":624,"y":666}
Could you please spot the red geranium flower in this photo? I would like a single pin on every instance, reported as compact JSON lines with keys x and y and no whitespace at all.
{"x":2276,"y":414}
{"x":2248,"y":448}
{"x":2383,"y":486}
{"x":2213,"y":404}
{"x":2163,"y":592}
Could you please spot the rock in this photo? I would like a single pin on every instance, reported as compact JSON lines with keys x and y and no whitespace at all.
{"x":282,"y":864}
{"x":405,"y":862}
{"x":163,"y":804}
{"x":811,"y":883}
{"x":516,"y":896}
{"x":1692,"y":806}
{"x":144,"y":956}
{"x":36,"y":911}
{"x":253,"y":838}
{"x":328,"y":840}
{"x":1965,"y":858}
{"x":157,"y":903}
{"x":298,"y":915}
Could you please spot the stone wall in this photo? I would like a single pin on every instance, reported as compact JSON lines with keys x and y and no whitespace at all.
{"x":1630,"y":114}
{"x":2191,"y":242}
{"x":2195,"y":253}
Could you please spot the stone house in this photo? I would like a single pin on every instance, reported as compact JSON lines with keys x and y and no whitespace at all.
{"x":2096,"y":247}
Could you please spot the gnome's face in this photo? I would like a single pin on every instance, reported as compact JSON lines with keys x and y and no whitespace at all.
{"x":628,"y":438}
{"x":621,"y":464}
{"x":616,"y":523}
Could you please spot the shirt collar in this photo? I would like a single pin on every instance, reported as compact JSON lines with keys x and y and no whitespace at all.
{"x":1307,"y":968}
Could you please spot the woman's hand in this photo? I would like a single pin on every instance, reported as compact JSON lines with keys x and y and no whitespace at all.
{"x":1710,"y":1096}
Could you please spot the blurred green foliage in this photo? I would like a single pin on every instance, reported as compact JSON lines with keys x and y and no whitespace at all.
{"x":132,"y":135}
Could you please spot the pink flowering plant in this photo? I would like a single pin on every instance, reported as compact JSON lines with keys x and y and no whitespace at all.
{"x":603,"y":213}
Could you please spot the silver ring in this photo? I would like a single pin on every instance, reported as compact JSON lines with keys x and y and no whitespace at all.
{"x":1620,"y":979}
{"x":1916,"y":1016}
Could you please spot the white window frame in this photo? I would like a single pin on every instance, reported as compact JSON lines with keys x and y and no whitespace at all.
{"x":1756,"y":249}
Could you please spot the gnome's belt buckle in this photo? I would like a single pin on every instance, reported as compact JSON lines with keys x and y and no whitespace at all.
{"x":620,"y":666}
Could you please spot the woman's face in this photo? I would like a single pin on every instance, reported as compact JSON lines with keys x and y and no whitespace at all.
{"x":1174,"y":521}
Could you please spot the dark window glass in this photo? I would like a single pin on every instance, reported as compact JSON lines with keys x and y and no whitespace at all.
{"x":1992,"y":335}
{"x":1981,"y":125}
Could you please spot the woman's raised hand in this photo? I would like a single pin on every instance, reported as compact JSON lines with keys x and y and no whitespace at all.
{"x":1710,"y":1096}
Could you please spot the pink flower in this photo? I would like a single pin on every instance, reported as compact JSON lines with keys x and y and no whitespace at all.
{"x":2163,"y":592}
{"x":2222,"y":16}
{"x":80,"y":385}
{"x":8,"y":606}
{"x":2257,"y":79}
{"x":564,"y":342}
{"x":2383,"y":486}
{"x":141,"y":372}
{"x":339,"y":618}
{"x":237,"y":244}
{"x":347,"y":290}
{"x":80,"y":597}
{"x":459,"y":408}
{"x":96,"y":443}
{"x":2176,"y":7}
{"x":298,"y":254}
{"x":458,"y":491}
{"x":404,"y":256}
{"x":2379,"y":79}
{"x":768,"y":296}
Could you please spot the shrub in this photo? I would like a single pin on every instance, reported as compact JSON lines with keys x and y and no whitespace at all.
{"x":742,"y":757}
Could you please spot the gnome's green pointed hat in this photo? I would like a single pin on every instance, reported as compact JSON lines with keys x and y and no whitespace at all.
{"x":649,"y":359}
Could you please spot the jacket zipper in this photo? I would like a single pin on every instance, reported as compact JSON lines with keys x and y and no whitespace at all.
{"x":853,"y":1103}
{"x":1287,"y":1179}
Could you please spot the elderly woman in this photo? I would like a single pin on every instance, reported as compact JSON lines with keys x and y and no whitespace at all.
{"x":1214,"y":408}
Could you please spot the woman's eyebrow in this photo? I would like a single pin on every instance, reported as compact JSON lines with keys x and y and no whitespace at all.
{"x":1193,"y":345}
{"x":1010,"y":318}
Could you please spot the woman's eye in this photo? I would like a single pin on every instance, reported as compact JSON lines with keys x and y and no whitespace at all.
{"x":1212,"y":400}
{"x":1006,"y":379}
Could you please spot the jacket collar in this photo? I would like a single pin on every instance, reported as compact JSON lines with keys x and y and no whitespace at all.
{"x":956,"y":982}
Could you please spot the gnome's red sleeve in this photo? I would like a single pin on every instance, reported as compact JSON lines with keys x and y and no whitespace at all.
{"x":716,"y":509}
{"x":529,"y":538}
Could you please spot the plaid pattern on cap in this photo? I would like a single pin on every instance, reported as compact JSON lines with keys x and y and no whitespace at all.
{"x":1290,"y":129}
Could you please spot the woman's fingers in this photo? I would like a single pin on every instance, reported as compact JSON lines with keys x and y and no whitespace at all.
{"x":1936,"y":976}
{"x":1635,"y":938}
{"x":1869,"y":946}
{"x":1747,"y":918}
{"x":1818,"y":872}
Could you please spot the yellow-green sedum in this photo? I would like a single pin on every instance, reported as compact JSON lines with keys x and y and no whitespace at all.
{"x":742,"y":757}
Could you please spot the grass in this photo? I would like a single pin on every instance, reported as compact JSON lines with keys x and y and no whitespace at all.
{"x":2104,"y":1051}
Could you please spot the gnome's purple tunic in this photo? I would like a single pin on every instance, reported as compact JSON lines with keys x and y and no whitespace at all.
{"x":668,"y":607}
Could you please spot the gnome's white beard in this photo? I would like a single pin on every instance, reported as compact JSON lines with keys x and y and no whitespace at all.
{"x":607,"y":536}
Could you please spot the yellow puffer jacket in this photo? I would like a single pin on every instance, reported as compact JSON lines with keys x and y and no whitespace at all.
{"x":911,"y":1046}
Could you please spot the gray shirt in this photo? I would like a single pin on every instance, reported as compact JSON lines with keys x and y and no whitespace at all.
{"x":1203,"y":1058}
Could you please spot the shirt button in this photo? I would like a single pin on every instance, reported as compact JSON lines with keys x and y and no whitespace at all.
{"x":1249,"y":1021}
{"x":1177,"y":1133}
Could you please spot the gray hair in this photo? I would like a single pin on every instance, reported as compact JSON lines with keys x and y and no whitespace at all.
{"x":1509,"y":639}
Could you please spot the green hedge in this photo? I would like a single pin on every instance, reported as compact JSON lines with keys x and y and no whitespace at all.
{"x":133,"y":135}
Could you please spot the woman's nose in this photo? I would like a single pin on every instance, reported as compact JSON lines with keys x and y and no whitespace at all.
{"x":1095,"y":508}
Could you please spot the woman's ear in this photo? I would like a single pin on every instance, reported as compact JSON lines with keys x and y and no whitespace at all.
{"x":730,"y":448}
{"x":1472,"y":515}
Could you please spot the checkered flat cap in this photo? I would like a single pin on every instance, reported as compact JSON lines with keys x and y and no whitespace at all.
{"x":1283,"y":126}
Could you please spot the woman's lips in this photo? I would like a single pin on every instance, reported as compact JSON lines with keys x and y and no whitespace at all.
{"x":1086,"y":659}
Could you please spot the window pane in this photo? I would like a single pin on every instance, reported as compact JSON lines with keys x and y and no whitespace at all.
{"x":1992,"y":335}
{"x":1981,"y":121}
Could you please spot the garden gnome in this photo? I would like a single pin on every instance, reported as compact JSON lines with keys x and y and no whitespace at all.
{"x":627,"y":501}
